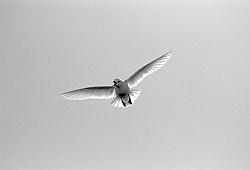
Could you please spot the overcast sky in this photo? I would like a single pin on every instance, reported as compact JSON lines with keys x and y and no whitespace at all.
{"x":193,"y":114}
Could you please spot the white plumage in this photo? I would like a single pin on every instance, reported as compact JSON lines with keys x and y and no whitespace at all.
{"x":121,"y":90}
{"x":148,"y":69}
{"x":98,"y":92}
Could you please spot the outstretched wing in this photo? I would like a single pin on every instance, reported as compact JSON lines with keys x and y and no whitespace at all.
{"x":146,"y":70}
{"x":98,"y":92}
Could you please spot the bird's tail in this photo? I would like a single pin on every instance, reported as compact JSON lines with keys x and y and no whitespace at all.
{"x":134,"y":94}
{"x":117,"y":102}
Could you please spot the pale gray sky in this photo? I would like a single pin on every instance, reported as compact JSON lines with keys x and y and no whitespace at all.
{"x":192,"y":114}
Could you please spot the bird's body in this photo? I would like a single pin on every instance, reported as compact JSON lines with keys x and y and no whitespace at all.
{"x":123,"y":91}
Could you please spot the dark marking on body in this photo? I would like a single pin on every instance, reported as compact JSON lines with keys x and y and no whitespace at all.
{"x":122,"y":94}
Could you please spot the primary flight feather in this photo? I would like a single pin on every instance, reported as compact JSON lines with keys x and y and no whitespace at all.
{"x":98,"y":92}
{"x":121,"y":90}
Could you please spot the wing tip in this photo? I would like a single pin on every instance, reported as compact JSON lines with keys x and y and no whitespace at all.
{"x":64,"y":96}
{"x":68,"y":96}
{"x":169,"y":53}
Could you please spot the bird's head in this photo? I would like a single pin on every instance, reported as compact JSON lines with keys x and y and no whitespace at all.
{"x":117,"y":82}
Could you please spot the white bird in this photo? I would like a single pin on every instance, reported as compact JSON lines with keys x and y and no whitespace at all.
{"x":123,"y":91}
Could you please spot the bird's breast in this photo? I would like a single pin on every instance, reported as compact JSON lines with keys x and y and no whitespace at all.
{"x":122,"y":89}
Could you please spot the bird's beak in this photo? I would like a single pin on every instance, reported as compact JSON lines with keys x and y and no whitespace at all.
{"x":114,"y":83}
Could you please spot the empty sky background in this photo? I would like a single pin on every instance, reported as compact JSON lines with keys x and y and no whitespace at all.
{"x":193,"y":114}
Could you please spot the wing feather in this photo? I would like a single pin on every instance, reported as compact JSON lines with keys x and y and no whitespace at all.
{"x":148,"y":69}
{"x":98,"y":92}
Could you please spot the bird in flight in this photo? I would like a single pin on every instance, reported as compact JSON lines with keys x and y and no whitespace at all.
{"x":123,"y":91}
